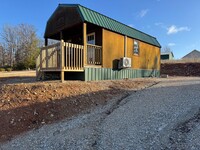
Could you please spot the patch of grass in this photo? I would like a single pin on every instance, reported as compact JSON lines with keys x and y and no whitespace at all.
{"x":9,"y":69}
{"x":2,"y":69}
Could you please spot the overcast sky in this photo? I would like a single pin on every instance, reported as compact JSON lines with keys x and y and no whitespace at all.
{"x":175,"y":23}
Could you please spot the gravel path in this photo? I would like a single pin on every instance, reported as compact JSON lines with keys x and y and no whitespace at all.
{"x":165,"y":116}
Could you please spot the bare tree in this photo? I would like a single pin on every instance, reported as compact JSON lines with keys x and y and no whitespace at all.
{"x":1,"y":55}
{"x":166,"y":49}
{"x":21,"y":45}
{"x":27,"y":45}
{"x":9,"y":38}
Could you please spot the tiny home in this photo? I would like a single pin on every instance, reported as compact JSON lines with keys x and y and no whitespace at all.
{"x":95,"y":47}
{"x":167,"y":56}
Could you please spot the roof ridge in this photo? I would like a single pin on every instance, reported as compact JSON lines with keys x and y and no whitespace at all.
{"x":101,"y":20}
{"x":115,"y":20}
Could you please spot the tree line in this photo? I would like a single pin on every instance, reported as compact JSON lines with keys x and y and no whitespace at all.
{"x":19,"y":46}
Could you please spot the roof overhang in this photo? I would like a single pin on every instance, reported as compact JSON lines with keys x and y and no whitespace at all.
{"x":65,"y":16}
{"x":69,"y":15}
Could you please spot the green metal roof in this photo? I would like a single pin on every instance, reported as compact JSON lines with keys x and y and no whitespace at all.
{"x":98,"y":19}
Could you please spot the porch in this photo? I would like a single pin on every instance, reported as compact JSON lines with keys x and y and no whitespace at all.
{"x":67,"y":57}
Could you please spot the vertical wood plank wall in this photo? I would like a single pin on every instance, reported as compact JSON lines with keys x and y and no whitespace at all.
{"x":114,"y":48}
{"x":148,"y":58}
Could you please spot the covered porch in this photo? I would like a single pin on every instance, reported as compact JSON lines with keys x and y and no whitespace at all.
{"x":74,"y":52}
{"x":79,"y":43}
{"x":67,"y":57}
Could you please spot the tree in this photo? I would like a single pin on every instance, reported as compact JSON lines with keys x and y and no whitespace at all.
{"x":166,"y":49}
{"x":3,"y":56}
{"x":21,"y":45}
{"x":27,"y":46}
{"x":9,"y":41}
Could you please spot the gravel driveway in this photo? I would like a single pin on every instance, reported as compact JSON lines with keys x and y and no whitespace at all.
{"x":165,"y":116}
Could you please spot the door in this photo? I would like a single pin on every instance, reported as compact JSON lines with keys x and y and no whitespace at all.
{"x":91,"y":48}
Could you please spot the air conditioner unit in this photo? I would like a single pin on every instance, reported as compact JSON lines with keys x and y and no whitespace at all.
{"x":124,"y":62}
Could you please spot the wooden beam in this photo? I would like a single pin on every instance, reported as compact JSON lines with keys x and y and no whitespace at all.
{"x":61,"y":35}
{"x":47,"y":58}
{"x":62,"y":67}
{"x":40,"y":59}
{"x":102,"y":55}
{"x":46,"y":41}
{"x":125,"y":46}
{"x":85,"y":43}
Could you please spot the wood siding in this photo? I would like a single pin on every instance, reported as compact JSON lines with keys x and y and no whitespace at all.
{"x":98,"y":33}
{"x":62,"y":19}
{"x":148,"y":58}
{"x":113,"y":48}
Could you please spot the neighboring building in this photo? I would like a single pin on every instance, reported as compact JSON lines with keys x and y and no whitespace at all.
{"x":167,"y":56}
{"x":95,"y":47}
{"x":195,"y":54}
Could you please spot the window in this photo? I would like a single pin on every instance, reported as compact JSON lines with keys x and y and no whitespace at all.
{"x":136,"y":47}
{"x":91,"y":38}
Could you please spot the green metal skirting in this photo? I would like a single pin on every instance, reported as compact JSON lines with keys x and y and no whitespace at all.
{"x":92,"y":74}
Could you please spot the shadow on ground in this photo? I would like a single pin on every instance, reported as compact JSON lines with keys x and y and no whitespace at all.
{"x":16,"y":80}
{"x":19,"y":120}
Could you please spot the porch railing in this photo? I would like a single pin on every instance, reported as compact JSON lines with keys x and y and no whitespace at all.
{"x":73,"y":56}
{"x":64,"y":56}
{"x":94,"y":54}
{"x":49,"y":58}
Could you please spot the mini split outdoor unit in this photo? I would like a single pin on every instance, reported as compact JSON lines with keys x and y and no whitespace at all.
{"x":124,"y":62}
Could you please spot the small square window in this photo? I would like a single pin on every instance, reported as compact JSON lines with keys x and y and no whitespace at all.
{"x":136,"y":48}
{"x":91,"y":38}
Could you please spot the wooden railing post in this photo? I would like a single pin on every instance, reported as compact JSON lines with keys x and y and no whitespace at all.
{"x":94,"y":54}
{"x":47,"y":61}
{"x":62,"y":61}
{"x":125,"y":46}
{"x":40,"y":58}
{"x":84,"y":43}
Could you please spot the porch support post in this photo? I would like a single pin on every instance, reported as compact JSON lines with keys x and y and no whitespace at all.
{"x":46,"y":41}
{"x":62,"y":61}
{"x":47,"y":60}
{"x":62,"y":66}
{"x":125,"y":46}
{"x":85,"y":43}
{"x":40,"y":59}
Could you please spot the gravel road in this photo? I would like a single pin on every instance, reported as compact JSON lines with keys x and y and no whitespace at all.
{"x":164,"y":116}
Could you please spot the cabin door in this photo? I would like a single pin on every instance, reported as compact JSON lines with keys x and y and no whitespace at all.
{"x":91,"y":48}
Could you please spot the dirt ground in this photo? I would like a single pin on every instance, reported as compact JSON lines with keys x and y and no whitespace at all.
{"x":27,"y":104}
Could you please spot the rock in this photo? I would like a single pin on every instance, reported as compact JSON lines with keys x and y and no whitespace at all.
{"x":12,"y":121}
{"x":164,"y":76}
{"x":35,"y":113}
{"x":27,"y":91}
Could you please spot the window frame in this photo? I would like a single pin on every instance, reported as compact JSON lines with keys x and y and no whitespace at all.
{"x":136,"y":46}
{"x":91,"y":34}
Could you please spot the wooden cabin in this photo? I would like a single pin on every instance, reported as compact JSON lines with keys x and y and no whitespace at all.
{"x":93,"y":46}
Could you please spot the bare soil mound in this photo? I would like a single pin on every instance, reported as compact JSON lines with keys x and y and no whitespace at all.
{"x":26,"y":104}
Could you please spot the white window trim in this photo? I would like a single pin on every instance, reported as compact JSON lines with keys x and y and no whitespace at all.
{"x":138,"y":45}
{"x":93,"y":33}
